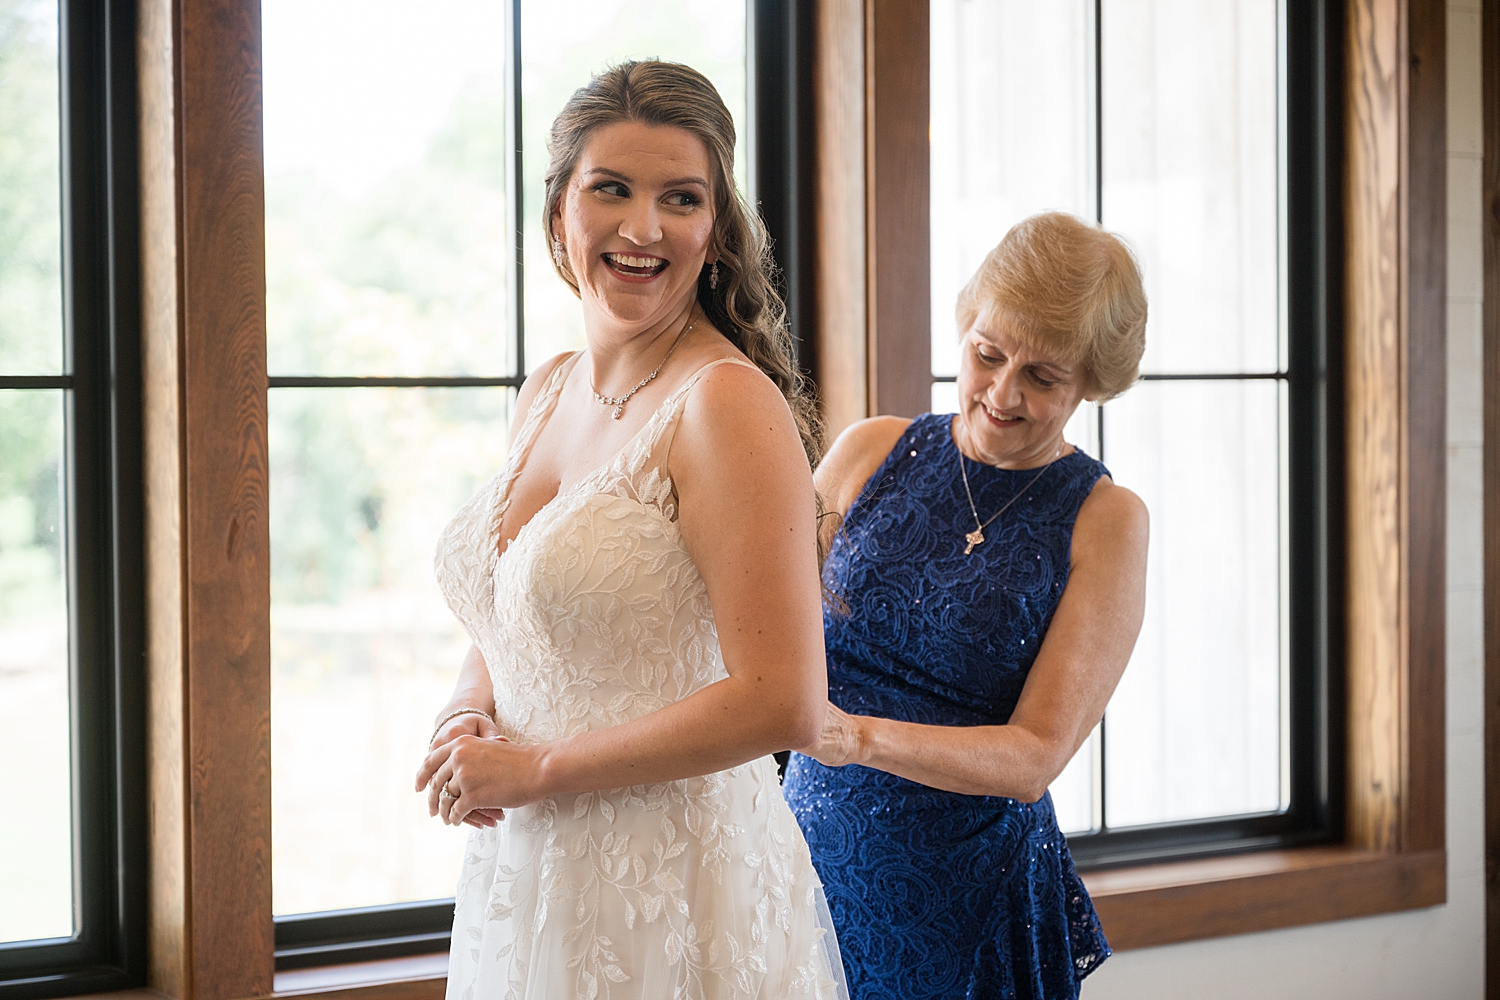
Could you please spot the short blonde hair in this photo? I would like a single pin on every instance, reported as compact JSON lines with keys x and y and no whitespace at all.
{"x":1065,"y":286}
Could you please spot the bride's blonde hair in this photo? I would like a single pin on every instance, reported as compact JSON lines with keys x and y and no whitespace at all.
{"x":744,"y":306}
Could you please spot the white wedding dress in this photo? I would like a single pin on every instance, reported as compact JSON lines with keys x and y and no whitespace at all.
{"x":593,"y":616}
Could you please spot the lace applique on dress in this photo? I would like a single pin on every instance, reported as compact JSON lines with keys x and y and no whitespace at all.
{"x":595,"y":615}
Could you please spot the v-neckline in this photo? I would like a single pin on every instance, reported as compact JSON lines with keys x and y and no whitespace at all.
{"x":503,"y":502}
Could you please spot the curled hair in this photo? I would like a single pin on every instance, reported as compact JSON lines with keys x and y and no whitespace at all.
{"x":745,"y":306}
{"x":1065,"y":285}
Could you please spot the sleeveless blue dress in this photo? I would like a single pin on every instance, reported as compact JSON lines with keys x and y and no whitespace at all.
{"x":933,"y":893}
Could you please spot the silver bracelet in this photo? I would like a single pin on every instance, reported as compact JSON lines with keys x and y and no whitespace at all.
{"x":453,"y":715}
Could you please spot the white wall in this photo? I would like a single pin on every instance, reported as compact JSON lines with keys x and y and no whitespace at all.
{"x":1433,"y":954}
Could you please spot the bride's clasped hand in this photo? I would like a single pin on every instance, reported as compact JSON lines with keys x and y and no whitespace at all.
{"x":474,"y":779}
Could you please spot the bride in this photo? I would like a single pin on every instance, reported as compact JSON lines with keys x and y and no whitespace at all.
{"x":641,"y":586}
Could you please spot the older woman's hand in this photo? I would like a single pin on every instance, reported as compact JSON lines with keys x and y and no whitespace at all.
{"x":842,"y":741}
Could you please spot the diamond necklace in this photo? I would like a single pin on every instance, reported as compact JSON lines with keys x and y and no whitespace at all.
{"x":618,"y":402}
{"x":976,"y":537}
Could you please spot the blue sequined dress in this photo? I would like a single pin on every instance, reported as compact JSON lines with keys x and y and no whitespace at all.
{"x":933,"y":893}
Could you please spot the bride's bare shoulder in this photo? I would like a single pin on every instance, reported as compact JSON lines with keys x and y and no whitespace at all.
{"x":729,"y":397}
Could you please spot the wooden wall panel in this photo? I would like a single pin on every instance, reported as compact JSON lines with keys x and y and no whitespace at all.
{"x":841,"y":359}
{"x":209,"y":566}
{"x":1490,"y":25}
{"x":169,"y":905}
{"x":222,"y":227}
{"x":1424,"y":423}
{"x":1395,"y":375}
{"x":899,"y":222}
{"x":874,"y":292}
{"x":1372,"y":393}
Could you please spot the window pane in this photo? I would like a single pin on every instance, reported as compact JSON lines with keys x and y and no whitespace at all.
{"x":30,"y":191}
{"x":1075,"y":792}
{"x":708,"y":35}
{"x":1012,"y":132}
{"x":1191,"y":157}
{"x":364,"y":650}
{"x":388,"y":222}
{"x":36,"y":857}
{"x":1195,"y":727}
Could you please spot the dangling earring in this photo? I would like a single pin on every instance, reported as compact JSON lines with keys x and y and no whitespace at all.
{"x":557,"y":252}
{"x":713,"y":277}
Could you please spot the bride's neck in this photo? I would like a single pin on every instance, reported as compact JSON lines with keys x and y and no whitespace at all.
{"x":619,"y":354}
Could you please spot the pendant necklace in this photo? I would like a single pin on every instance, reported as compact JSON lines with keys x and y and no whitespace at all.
{"x":618,"y":402}
{"x":976,"y":537}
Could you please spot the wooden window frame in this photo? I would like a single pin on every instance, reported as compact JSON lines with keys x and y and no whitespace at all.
{"x":207,"y":543}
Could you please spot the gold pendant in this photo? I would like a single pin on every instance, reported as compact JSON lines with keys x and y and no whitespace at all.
{"x":974,"y":538}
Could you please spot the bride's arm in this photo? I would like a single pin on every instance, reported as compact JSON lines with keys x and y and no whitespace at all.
{"x":746,"y":512}
{"x":473,"y":691}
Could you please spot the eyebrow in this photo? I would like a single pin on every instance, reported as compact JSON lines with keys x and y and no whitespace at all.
{"x":1058,"y":367}
{"x":674,"y":182}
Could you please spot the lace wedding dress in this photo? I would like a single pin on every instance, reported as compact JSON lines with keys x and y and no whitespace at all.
{"x":593,"y":616}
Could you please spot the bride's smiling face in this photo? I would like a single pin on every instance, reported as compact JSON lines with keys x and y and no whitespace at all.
{"x":637,"y":220}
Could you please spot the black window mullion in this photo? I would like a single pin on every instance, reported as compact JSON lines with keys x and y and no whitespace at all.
{"x":306,"y":940}
{"x":1314,"y":408}
{"x":105,"y":774}
{"x":36,"y":381}
{"x":518,"y":189}
{"x":779,"y":43}
{"x":391,"y":381}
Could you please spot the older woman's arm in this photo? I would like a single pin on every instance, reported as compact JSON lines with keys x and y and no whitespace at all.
{"x":1081,"y":660}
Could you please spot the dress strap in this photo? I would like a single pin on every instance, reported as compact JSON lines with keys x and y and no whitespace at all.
{"x":686,"y":387}
{"x":670,"y":413}
{"x":536,"y":418}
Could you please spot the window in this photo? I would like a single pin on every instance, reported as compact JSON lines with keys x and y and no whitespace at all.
{"x":72,"y":823}
{"x":1173,"y":127}
{"x":199,"y":143}
{"x":408,"y":292}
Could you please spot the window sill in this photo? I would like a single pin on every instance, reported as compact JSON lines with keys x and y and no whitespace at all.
{"x":418,"y":977}
{"x":1150,"y":905}
{"x":1140,"y":906}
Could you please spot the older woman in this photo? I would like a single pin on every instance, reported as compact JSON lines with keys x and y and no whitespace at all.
{"x":987,"y":587}
{"x":641,"y":586}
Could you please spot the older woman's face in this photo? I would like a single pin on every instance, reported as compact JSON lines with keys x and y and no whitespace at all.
{"x":637,"y":218}
{"x":1012,"y":400}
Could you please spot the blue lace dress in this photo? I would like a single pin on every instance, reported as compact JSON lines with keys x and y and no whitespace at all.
{"x":933,"y":893}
